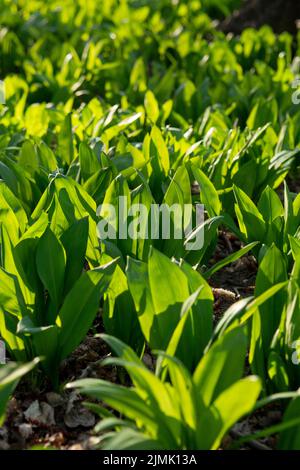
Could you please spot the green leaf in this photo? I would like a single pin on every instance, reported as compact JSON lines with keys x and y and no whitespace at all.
{"x":126,"y":400}
{"x":119,"y":314}
{"x":177,"y":197}
{"x":138,"y":283}
{"x":208,"y":193}
{"x":131,"y":440}
{"x":158,"y":291}
{"x":277,"y":371}
{"x":161,"y":150}
{"x":74,"y":241}
{"x":169,"y":289}
{"x":178,"y":334}
{"x":229,"y":407}
{"x":9,"y":377}
{"x":65,"y":141}
{"x":44,"y":340}
{"x":229,"y":259}
{"x":199,"y":326}
{"x":51,"y":264}
{"x":81,"y":306}
{"x":270,"y":205}
{"x":290,"y":437}
{"x":250,"y":219}
{"x":89,"y":163}
{"x":222,"y":365}
{"x":272,"y":271}
{"x":151,"y":106}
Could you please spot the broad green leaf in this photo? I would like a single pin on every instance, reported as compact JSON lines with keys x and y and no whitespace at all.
{"x":119,"y":314}
{"x":132,"y":440}
{"x":45,"y":344}
{"x":229,"y":259}
{"x":89,"y":163}
{"x":10,"y":375}
{"x":51,"y":265}
{"x":81,"y":306}
{"x":138,"y":283}
{"x":221,"y":366}
{"x":270,"y":205}
{"x":250,"y":219}
{"x":151,"y":106}
{"x":229,"y":407}
{"x":208,"y":193}
{"x":74,"y":241}
{"x":169,"y":289}
{"x":290,"y":437}
{"x":272,"y":271}
{"x":65,"y":141}
{"x":161,"y":150}
{"x":126,"y":400}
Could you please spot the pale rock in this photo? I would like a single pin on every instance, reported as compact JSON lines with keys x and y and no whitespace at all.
{"x":40,"y":413}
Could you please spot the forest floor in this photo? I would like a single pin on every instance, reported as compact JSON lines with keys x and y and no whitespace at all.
{"x":47,"y":419}
{"x":41,"y":417}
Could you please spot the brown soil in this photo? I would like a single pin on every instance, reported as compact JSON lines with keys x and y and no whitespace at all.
{"x":72,"y":424}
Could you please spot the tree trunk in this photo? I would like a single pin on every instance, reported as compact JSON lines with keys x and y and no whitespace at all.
{"x":281,"y":15}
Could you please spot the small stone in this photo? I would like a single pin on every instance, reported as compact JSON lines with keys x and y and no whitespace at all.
{"x":54,"y":399}
{"x":147,"y":360}
{"x":25,"y":430}
{"x":3,"y":433}
{"x":79,"y":416}
{"x":76,"y":447}
{"x":4,"y":445}
{"x":40,"y":413}
{"x":92,"y":442}
{"x":58,"y":439}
